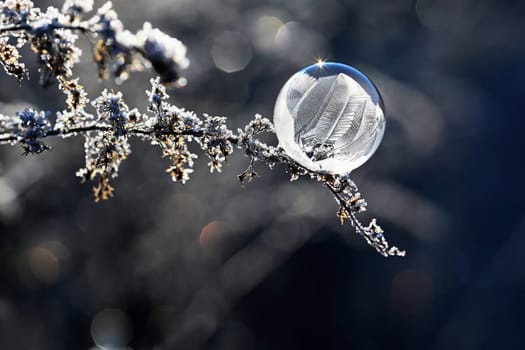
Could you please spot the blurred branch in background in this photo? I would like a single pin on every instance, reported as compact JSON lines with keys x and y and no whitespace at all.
{"x":238,"y":275}
{"x":15,"y":181}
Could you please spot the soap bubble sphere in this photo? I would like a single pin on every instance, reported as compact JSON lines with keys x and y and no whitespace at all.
{"x":329,"y":117}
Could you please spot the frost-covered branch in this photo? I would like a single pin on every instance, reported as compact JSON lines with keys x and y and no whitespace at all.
{"x":52,"y":35}
{"x":107,"y":123}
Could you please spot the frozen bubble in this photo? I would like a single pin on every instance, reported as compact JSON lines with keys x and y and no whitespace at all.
{"x":329,"y":117}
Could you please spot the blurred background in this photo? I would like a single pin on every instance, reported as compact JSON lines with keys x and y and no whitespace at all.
{"x":213,"y":265}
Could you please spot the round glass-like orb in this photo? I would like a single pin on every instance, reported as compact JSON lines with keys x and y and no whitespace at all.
{"x":329,"y":117}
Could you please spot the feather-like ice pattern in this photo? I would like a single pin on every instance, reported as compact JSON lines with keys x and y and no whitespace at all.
{"x":310,"y":110}
{"x":349,"y":122}
{"x":354,"y":115}
{"x":333,"y":92}
{"x":302,"y":84}
{"x":330,"y":116}
{"x":364,"y":141}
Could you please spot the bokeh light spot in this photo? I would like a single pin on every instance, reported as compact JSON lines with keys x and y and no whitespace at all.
{"x":231,"y":52}
{"x":210,"y":233}
{"x":44,"y":265}
{"x":265,"y":29}
{"x":111,"y":329}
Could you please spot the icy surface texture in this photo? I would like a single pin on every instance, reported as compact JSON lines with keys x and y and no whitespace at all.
{"x":329,"y":117}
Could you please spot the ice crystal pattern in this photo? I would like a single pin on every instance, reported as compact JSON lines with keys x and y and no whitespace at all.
{"x":107,"y":122}
{"x":329,"y":117}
